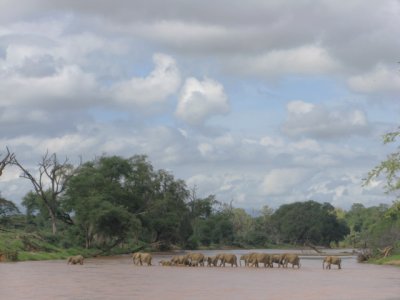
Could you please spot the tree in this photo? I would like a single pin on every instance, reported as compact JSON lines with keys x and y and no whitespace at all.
{"x":7,"y":210}
{"x":113,"y":224}
{"x":264,"y":230}
{"x":139,"y":183}
{"x":222,"y":230}
{"x":198,"y":207}
{"x":50,"y":184}
{"x":36,"y":212}
{"x":389,"y":168}
{"x":310,"y":221}
{"x":98,"y":198}
{"x":387,"y":230}
{"x":243,"y":224}
{"x":361,"y":218}
{"x":154,"y":201}
{"x":7,"y":160}
{"x":167,"y":211}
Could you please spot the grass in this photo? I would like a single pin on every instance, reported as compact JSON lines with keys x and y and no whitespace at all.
{"x":393,"y":260}
{"x":31,"y":246}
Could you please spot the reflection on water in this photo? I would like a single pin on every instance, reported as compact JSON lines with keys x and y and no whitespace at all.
{"x":117,"y":278}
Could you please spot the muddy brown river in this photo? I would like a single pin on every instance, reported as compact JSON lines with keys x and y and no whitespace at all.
{"x":117,"y":278}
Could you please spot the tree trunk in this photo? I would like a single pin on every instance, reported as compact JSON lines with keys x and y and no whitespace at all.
{"x":386,"y":251}
{"x":87,"y":242}
{"x":88,"y":237}
{"x":53,"y":221}
{"x":308,"y":244}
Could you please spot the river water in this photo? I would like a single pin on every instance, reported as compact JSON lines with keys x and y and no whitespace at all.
{"x":117,"y":278}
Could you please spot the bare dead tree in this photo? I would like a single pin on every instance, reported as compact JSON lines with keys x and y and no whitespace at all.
{"x":7,"y":160}
{"x":386,"y":251}
{"x":50,"y":183}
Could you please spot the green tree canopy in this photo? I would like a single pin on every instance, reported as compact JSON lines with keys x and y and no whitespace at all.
{"x":128,"y":195}
{"x":387,"y":230}
{"x":309,"y":221}
{"x":97,"y":199}
{"x":7,"y":210}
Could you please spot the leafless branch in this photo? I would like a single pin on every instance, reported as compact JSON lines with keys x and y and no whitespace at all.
{"x":8,"y":159}
{"x":50,"y":182}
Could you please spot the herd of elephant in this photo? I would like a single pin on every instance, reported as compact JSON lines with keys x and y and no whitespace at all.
{"x":220,"y":260}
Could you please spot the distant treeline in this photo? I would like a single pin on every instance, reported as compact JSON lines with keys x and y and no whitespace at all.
{"x":114,"y":201}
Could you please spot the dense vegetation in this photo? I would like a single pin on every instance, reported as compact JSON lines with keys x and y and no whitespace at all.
{"x":125,"y":203}
{"x":112,"y":200}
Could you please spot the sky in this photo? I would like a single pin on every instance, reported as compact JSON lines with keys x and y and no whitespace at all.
{"x":256,"y":102}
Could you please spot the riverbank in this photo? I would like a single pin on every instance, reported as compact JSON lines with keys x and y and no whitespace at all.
{"x":22,"y":246}
{"x":393,"y":260}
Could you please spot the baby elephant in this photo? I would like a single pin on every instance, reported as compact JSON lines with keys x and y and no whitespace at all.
{"x":164,"y":263}
{"x":73,"y":260}
{"x":331,"y":260}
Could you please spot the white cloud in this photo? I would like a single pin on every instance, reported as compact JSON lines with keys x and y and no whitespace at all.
{"x":14,"y":115}
{"x":162,"y":82}
{"x":225,"y":140}
{"x":209,"y":184}
{"x":281,"y":181}
{"x":46,"y":104}
{"x":302,"y":60}
{"x":201,"y":100}
{"x":319,"y":121}
{"x":343,"y":189}
{"x":300,"y":107}
{"x":174,"y":31}
{"x":381,"y":79}
{"x":218,"y":183}
{"x":269,"y":141}
{"x":69,"y":85}
{"x":66,"y":85}
{"x":307,"y":145}
{"x":205,"y":149}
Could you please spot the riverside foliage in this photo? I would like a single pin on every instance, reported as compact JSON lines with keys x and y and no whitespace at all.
{"x":115,"y":201}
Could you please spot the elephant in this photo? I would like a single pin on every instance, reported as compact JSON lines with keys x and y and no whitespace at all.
{"x":212,"y":261}
{"x":256,"y":258}
{"x":136,"y":258}
{"x":179,"y":260}
{"x":164,"y":263}
{"x":245,"y":258}
{"x":331,"y":260}
{"x":73,"y":260}
{"x":145,"y":258}
{"x":227,"y":258}
{"x":140,"y":258}
{"x":277,"y":259}
{"x":292,"y":259}
{"x":174,"y":260}
{"x":195,"y":259}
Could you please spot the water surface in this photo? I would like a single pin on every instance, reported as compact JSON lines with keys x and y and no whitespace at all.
{"x":117,"y":278}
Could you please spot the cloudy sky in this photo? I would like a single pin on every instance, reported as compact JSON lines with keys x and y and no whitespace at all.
{"x":259,"y":102}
